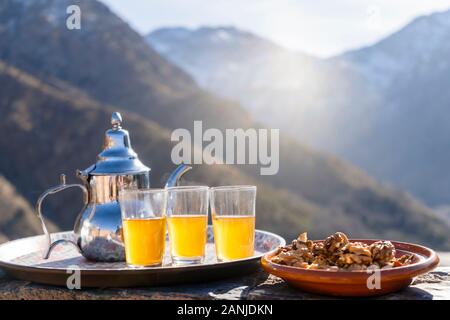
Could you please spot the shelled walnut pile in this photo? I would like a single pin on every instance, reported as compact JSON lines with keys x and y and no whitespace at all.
{"x":337,"y":253}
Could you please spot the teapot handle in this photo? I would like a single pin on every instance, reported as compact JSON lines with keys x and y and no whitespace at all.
{"x":62,"y":186}
{"x":176,"y":175}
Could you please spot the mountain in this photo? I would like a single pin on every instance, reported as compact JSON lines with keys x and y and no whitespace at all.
{"x":416,"y":48}
{"x":58,"y":88}
{"x":383,"y":107}
{"x":56,"y":132}
{"x":305,"y":97}
{"x":17,"y":218}
{"x":120,"y":68}
{"x":410,"y":70}
{"x":274,"y":84}
{"x":230,"y":62}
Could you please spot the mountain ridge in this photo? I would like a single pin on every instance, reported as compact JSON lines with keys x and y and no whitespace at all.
{"x":296,"y":213}
{"x":313,"y":190}
{"x":386,"y":101}
{"x":49,"y":99}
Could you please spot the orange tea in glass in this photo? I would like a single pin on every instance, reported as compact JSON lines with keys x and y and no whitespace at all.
{"x":234,"y":236}
{"x":144,"y":226}
{"x":233,"y":216}
{"x":144,"y":240}
{"x":187,"y":218}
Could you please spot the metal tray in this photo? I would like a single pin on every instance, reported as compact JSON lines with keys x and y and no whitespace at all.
{"x":22,"y":259}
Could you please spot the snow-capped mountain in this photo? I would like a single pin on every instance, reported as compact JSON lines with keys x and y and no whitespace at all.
{"x":234,"y":63}
{"x":384,"y":107}
{"x":411,"y":71}
{"x":281,"y":88}
{"x":414,"y":48}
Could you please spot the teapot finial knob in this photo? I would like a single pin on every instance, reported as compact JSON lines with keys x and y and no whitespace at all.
{"x":116,"y":120}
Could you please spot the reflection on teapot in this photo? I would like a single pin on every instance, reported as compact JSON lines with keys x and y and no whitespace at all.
{"x":98,"y":228}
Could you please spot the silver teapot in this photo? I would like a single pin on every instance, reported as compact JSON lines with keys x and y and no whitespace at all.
{"x":98,"y":228}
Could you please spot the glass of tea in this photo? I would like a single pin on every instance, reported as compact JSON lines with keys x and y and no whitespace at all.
{"x":144,"y":226}
{"x":233,"y":216}
{"x":187,"y":219}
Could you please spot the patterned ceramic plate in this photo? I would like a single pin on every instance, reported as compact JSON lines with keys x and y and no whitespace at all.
{"x":22,"y":259}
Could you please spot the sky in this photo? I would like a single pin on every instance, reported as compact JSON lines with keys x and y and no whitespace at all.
{"x":319,"y":27}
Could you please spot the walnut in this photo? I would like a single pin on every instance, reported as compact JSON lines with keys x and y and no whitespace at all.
{"x":358,"y":248}
{"x":285,"y":257}
{"x":351,"y":258}
{"x":305,"y":254}
{"x":403,"y":260}
{"x":291,"y":257}
{"x":302,"y":242}
{"x":382,"y":251}
{"x":335,"y":242}
{"x":319,"y":249}
{"x":321,"y":261}
{"x":303,"y":237}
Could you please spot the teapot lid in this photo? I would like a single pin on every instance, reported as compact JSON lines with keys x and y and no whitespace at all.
{"x":117,"y":157}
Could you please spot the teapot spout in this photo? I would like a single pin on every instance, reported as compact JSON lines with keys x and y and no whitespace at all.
{"x":176,"y":175}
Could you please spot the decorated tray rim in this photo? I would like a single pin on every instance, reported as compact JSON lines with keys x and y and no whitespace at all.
{"x":11,"y":265}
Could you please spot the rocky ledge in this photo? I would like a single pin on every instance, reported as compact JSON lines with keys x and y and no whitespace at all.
{"x":434,"y":285}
